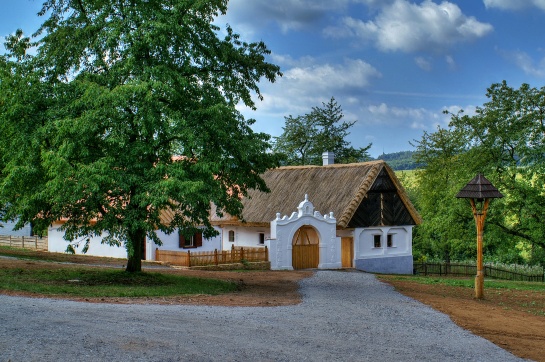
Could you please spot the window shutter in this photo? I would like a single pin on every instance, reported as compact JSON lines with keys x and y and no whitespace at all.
{"x":181,"y":239}
{"x":198,"y":239}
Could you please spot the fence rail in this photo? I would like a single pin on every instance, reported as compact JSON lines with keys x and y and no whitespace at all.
{"x":24,"y":242}
{"x":216,"y":257}
{"x":469,"y":270}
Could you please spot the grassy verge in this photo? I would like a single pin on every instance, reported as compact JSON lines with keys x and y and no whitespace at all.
{"x":28,"y":254}
{"x":94,"y":283}
{"x":468,"y":282}
{"x":54,"y":278}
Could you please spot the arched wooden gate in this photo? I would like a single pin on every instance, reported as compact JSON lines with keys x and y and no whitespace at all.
{"x":305,"y":252}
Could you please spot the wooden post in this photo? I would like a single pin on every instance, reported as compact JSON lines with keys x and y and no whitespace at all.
{"x":480,"y":217}
{"x":23,"y":242}
{"x":189,"y":258}
{"x":241,"y":253}
{"x":216,"y":256}
{"x":266,"y":253}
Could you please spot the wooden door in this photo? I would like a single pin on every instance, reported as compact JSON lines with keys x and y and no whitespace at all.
{"x":305,"y":252}
{"x":347,"y":252}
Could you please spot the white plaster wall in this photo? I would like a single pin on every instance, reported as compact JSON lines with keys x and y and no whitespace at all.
{"x":244,"y":236}
{"x":401,"y":241}
{"x":57,"y":244}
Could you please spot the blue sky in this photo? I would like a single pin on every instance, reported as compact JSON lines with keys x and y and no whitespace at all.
{"x":393,"y":65}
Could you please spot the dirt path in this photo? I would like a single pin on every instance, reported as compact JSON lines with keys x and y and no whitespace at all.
{"x":511,"y":319}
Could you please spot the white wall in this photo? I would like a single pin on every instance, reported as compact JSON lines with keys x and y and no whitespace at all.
{"x":401,"y":241}
{"x":170,"y":242}
{"x":57,"y":244}
{"x":244,"y":236}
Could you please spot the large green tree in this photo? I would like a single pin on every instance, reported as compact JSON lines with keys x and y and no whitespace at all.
{"x":305,"y":138}
{"x":127,"y":109}
{"x":505,"y":140}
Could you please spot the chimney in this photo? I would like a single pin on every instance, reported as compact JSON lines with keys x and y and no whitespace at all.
{"x":328,"y":158}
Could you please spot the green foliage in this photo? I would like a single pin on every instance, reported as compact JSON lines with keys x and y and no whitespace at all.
{"x":505,"y":141}
{"x":104,"y":283}
{"x":306,"y":137}
{"x":90,"y":124}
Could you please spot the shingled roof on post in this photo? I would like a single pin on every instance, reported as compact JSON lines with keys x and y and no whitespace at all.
{"x":479,"y":188}
{"x":479,"y":191}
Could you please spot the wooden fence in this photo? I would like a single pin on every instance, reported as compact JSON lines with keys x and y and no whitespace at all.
{"x":24,"y":242}
{"x":216,"y":257}
{"x":471,"y":270}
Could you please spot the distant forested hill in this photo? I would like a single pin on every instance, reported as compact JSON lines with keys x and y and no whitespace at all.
{"x":400,"y":160}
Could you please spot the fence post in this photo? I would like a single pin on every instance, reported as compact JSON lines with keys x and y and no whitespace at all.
{"x":233,"y":253}
{"x":241,"y":253}
{"x":266,"y":253}
{"x":36,"y":242}
{"x":216,"y":256}
{"x":23,"y":242}
{"x":10,"y":240}
{"x":189,"y":258}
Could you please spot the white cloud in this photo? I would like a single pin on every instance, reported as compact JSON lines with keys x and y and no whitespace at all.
{"x":415,"y":118}
{"x":450,"y":62}
{"x":353,"y":73}
{"x":526,"y":63}
{"x":423,"y":63}
{"x":514,"y":4}
{"x":307,"y":85}
{"x":409,"y":27}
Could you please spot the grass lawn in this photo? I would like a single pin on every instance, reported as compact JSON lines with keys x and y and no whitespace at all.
{"x":71,"y":278}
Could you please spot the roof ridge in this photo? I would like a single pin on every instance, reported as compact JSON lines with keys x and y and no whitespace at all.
{"x":336,"y":165}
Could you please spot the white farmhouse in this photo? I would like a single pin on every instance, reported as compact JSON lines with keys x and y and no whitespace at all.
{"x":331,"y":216}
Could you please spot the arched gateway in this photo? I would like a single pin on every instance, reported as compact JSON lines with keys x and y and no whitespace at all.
{"x":306,"y":239}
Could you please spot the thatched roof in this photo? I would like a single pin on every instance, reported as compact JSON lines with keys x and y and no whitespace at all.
{"x":340,"y":188}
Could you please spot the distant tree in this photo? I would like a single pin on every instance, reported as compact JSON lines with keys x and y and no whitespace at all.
{"x":306,"y":137}
{"x":90,"y":124}
{"x":403,"y":160}
{"x":296,"y":143}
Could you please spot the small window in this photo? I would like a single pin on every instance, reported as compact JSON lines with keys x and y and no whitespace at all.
{"x":194,"y":241}
{"x":377,"y":240}
{"x":231,"y":236}
{"x":390,"y":240}
{"x":261,"y":238}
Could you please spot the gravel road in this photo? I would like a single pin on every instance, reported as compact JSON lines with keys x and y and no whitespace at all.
{"x":345,"y":316}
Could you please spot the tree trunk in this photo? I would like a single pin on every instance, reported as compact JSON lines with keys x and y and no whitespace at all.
{"x":134,"y":262}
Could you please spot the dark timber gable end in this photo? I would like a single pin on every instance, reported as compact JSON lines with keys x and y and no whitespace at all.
{"x":382,"y":206}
